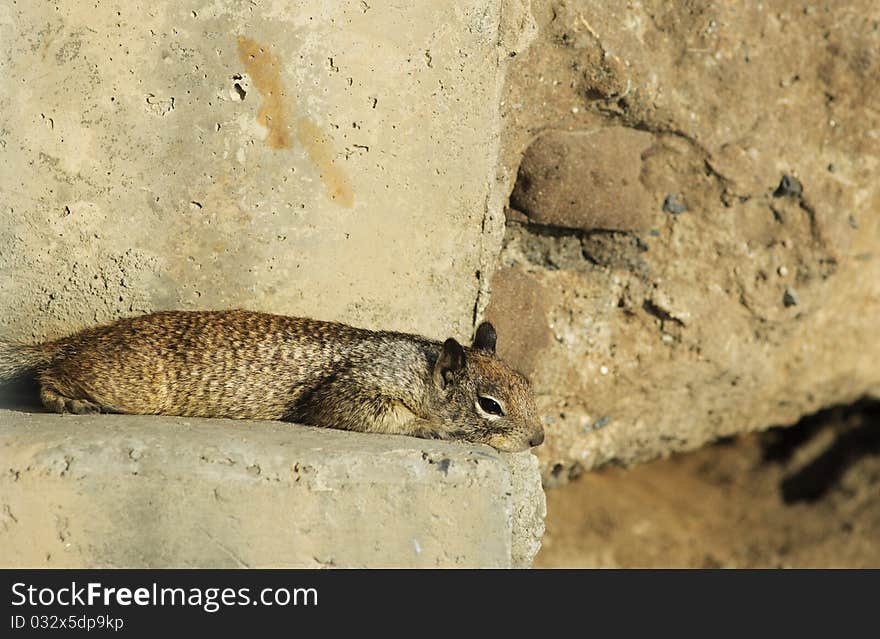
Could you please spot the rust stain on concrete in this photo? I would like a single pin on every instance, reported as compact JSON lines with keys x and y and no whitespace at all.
{"x":319,"y":146}
{"x":264,"y":70}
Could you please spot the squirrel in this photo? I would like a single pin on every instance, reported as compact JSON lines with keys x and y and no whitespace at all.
{"x":249,"y":365}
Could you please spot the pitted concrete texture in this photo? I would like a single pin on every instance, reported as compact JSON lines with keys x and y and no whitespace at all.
{"x":308,"y":159}
{"x":135,"y":491}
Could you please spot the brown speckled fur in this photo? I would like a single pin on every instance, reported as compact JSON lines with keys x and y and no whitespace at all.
{"x":249,"y":365}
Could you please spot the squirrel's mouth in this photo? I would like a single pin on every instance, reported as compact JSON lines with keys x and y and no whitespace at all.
{"x":512,"y":444}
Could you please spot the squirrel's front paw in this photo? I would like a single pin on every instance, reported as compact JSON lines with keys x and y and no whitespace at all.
{"x":428,"y":430}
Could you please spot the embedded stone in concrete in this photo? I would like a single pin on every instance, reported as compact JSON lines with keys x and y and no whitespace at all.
{"x":586,"y":180}
{"x":144,"y":491}
{"x":517,"y":309}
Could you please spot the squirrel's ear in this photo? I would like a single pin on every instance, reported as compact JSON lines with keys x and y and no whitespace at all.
{"x":451,"y":360}
{"x":485,"y":338}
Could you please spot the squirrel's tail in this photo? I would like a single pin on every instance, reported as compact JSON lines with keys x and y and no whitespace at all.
{"x":19,"y":359}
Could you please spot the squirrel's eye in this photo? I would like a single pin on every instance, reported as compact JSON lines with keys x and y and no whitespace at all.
{"x":490,"y":405}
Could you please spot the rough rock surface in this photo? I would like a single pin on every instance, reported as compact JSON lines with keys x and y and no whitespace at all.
{"x":753,"y":297}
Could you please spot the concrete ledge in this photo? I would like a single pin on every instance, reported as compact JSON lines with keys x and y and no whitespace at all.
{"x":133,"y":491}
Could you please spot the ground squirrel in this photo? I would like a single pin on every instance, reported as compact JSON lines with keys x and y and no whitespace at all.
{"x":249,"y":365}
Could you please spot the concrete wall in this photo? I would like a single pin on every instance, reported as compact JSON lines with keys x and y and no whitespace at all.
{"x":335,"y":160}
{"x":131,"y":491}
{"x":332,"y":159}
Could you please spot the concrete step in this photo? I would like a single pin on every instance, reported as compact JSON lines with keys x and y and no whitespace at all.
{"x":146,"y":491}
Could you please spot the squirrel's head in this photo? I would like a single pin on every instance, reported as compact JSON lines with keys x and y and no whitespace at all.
{"x":483,"y":399}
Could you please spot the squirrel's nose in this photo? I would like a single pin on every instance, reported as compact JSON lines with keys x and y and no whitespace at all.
{"x":538,"y":439}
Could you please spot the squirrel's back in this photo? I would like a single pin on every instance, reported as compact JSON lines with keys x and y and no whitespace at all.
{"x":208,"y":363}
